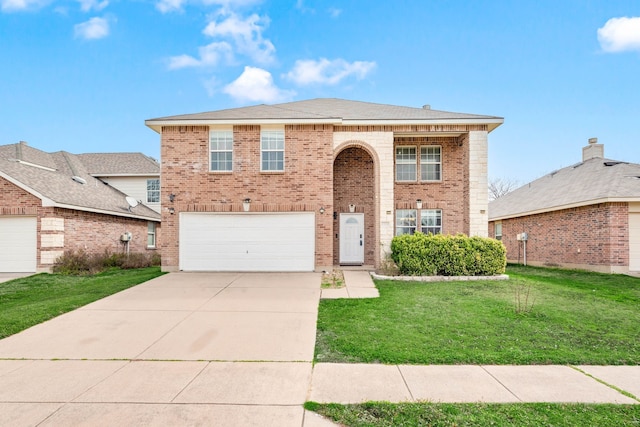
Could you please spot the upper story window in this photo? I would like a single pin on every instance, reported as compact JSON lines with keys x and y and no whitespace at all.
{"x":153,"y":190}
{"x":430,"y":163}
{"x":406,"y":220}
{"x":272,"y":150}
{"x":431,"y":221}
{"x":221,"y":150}
{"x":406,"y":163}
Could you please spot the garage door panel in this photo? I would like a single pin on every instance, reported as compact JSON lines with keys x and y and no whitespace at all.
{"x":18,"y":244}
{"x":247,"y":242}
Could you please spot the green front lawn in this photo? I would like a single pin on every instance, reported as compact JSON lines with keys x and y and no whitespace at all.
{"x":31,"y":300}
{"x":478,"y":414}
{"x":576,"y":318}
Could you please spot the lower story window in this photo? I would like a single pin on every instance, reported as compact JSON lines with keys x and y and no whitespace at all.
{"x":498,"y":230}
{"x":405,"y":221}
{"x":151,"y":234}
{"x":431,"y":221}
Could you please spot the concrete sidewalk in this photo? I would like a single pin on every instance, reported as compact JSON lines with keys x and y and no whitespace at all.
{"x":237,"y":349}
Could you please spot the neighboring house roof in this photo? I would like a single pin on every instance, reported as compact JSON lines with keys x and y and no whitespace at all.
{"x":48,"y":176}
{"x":592,"y":181}
{"x":120,"y":164}
{"x":326,"y":110}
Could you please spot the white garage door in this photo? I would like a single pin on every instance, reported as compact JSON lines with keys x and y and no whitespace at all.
{"x":247,"y":242}
{"x":18,"y":244}
{"x":634,"y":241}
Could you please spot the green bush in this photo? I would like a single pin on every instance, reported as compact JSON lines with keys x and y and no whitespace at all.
{"x":445,"y":255}
{"x":82,"y":263}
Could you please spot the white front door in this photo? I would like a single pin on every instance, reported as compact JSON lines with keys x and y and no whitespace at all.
{"x":351,"y":238}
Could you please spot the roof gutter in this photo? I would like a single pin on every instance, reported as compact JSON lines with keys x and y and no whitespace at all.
{"x":100,"y":211}
{"x":567,"y":206}
{"x":157,"y":125}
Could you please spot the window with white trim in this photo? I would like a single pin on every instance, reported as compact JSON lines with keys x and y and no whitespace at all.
{"x":153,"y":190}
{"x":406,"y":221}
{"x":151,"y":234}
{"x":272,"y":150}
{"x":221,"y":150}
{"x":431,"y":221}
{"x":498,"y":230}
{"x":406,"y":163}
{"x":430,"y":163}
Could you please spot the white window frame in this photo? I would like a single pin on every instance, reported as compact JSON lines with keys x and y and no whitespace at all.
{"x":406,"y":221}
{"x":406,"y":161}
{"x":153,"y":191}
{"x":151,"y":234}
{"x":433,"y":219}
{"x":268,"y":137}
{"x":497,"y":230}
{"x":215,"y":137}
{"x":425,"y":163}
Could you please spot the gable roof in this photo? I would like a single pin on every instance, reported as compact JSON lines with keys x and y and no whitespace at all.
{"x":326,"y":110}
{"x":114,"y":164}
{"x":48,"y":176}
{"x":592,"y":181}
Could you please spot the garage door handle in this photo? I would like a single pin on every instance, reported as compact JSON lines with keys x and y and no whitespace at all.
{"x":360,"y":242}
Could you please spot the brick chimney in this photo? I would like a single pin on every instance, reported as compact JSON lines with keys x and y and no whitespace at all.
{"x":593,"y":150}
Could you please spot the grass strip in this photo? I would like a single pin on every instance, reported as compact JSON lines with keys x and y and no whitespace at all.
{"x":31,"y":300}
{"x":381,"y":414}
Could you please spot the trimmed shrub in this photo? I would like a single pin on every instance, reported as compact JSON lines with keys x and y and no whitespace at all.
{"x":445,"y":255}
{"x":82,"y":263}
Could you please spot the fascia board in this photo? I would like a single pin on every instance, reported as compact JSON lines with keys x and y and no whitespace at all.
{"x":567,"y":206}
{"x":102,"y":211}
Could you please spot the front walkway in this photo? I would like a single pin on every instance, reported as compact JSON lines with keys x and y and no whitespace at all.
{"x":237,"y":349}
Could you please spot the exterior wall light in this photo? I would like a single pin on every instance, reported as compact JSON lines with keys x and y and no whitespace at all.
{"x":419,"y":203}
{"x":352,"y":208}
{"x":172,"y":197}
{"x":246,"y":204}
{"x":322,"y":210}
{"x":172,"y":211}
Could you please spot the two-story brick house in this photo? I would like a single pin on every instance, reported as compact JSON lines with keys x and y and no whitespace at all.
{"x":307,"y":185}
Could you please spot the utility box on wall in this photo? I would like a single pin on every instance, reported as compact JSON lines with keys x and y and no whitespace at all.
{"x":522,"y":237}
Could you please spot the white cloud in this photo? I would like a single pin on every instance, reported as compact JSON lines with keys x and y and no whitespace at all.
{"x":166,"y":6}
{"x":328,"y":72}
{"x":256,"y":85}
{"x":210,"y":55}
{"x":88,"y":5}
{"x":334,"y":12}
{"x":620,"y":34}
{"x":94,"y":28}
{"x":246,"y":34}
{"x":20,"y":5}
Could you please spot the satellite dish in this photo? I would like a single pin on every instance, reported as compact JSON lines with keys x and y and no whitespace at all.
{"x":132,"y":202}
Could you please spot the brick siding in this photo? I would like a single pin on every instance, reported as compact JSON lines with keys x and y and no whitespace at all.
{"x":594,"y":237}
{"x":305,"y":185}
{"x":450,"y":194}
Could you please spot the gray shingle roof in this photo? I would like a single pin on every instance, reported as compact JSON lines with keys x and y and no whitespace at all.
{"x":330,"y":110}
{"x":49,"y":176}
{"x":109,"y":164}
{"x":592,"y":181}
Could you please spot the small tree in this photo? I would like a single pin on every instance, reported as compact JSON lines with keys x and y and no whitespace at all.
{"x":498,"y":187}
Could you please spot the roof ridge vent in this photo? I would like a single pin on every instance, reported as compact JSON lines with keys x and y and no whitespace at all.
{"x":426,"y":107}
{"x":79,"y":179}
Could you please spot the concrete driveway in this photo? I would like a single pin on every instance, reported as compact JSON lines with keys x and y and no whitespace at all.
{"x":182,"y":349}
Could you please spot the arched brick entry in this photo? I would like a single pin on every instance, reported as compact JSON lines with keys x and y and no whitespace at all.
{"x":354,"y":183}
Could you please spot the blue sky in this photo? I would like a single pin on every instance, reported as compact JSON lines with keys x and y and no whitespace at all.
{"x":83,"y":75}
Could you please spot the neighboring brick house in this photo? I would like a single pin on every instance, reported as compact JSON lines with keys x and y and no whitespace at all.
{"x":49,"y":203}
{"x":311,"y":184}
{"x":584,"y":216}
{"x":135,"y":174}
